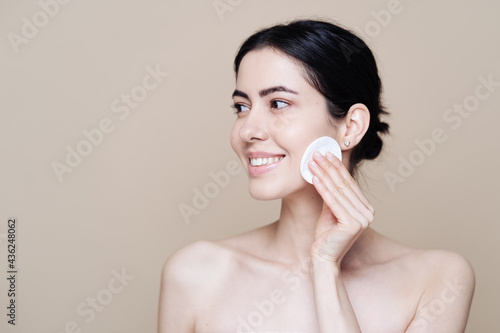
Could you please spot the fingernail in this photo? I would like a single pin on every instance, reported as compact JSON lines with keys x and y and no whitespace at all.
{"x":318,"y":155}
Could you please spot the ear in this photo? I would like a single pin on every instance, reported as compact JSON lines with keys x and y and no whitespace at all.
{"x":354,"y":127}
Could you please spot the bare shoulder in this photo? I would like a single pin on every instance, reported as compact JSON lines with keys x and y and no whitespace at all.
{"x":431,"y":262}
{"x":190,"y":276}
{"x":432,"y":287}
{"x":438,"y":266}
{"x":428,"y":271}
{"x":446,"y":262}
{"x":446,"y":270}
{"x":201,"y":258}
{"x":437,"y":275}
{"x":445,"y":281}
{"x":212,"y":257}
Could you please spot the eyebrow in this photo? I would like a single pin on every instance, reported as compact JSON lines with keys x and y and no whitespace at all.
{"x":265,"y":92}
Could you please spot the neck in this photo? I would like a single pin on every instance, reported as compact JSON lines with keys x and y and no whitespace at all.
{"x":293,"y":234}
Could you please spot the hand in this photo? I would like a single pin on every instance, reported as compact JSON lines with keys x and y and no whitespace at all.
{"x":345,"y":214}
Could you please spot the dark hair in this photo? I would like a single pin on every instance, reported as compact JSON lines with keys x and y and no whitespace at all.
{"x":338,"y":64}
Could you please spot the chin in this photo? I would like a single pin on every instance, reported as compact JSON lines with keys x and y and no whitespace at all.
{"x":262,"y":197}
{"x":262,"y":190}
{"x":272,"y":190}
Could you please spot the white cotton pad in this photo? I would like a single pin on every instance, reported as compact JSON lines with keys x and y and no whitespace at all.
{"x":323,"y":145}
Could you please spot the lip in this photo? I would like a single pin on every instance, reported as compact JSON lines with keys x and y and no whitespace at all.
{"x":257,"y":154}
{"x":255,"y":170}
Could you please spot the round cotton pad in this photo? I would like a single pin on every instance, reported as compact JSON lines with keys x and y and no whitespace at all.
{"x":323,"y":145}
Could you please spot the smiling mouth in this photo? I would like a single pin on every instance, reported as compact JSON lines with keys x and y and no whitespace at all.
{"x":264,"y":161}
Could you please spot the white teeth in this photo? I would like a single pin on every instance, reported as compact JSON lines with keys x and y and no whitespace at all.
{"x":264,"y":161}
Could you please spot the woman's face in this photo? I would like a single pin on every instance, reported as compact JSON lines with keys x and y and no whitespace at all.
{"x":278,"y":115}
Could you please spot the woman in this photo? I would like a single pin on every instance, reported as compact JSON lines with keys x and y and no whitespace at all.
{"x":319,"y":267}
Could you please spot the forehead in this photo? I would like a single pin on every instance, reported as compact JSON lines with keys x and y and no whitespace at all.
{"x":268,"y":67}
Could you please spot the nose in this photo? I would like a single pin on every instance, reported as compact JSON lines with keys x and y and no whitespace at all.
{"x":255,"y":126}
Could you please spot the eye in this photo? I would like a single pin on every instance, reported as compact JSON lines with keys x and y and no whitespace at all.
{"x":238,"y":107}
{"x":275,"y":104}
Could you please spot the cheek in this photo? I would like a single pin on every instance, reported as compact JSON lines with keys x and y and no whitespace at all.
{"x":292,"y":141}
{"x":297,"y":136}
{"x":292,"y":131}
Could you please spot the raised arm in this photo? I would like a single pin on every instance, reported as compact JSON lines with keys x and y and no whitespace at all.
{"x":345,"y":215}
{"x":333,"y":308}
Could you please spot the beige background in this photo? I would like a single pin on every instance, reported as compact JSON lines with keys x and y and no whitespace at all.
{"x":119,"y":209}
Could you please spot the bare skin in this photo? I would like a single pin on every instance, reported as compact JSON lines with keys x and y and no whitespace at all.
{"x":386,"y":290}
{"x":319,"y":267}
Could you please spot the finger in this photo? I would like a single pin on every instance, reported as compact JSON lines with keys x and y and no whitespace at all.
{"x":326,"y":172}
{"x":349,"y":181}
{"x":338,"y":210}
{"x":327,"y":182}
{"x":356,"y":207}
{"x":359,"y":209}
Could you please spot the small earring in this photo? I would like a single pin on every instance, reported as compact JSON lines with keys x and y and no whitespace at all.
{"x":347,"y":143}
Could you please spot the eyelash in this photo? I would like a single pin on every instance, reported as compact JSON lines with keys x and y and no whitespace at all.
{"x":237,"y":106}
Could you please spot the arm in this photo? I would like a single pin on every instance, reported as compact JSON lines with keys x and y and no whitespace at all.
{"x":333,"y":308}
{"x":345,"y":215}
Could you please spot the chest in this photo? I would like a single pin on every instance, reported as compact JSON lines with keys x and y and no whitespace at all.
{"x":285,"y":303}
